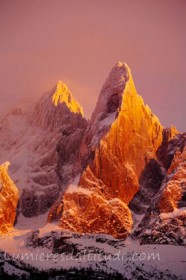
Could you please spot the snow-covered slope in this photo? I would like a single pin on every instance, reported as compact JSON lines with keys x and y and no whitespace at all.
{"x":46,"y":254}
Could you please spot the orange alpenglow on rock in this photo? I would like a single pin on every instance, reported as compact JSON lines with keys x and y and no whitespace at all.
{"x":62,"y":94}
{"x":122,"y":136}
{"x":8,"y":200}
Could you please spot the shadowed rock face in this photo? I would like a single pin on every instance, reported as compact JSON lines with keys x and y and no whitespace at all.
{"x":8,"y":200}
{"x":173,"y":194}
{"x":165,"y":219}
{"x":150,"y":181}
{"x":59,"y":120}
{"x":42,"y":145}
{"x":165,"y":152}
{"x":122,"y":137}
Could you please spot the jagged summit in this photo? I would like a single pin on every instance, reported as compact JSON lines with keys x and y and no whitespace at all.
{"x":110,"y":97}
{"x":62,"y":94}
{"x":122,"y":137}
{"x":54,"y":107}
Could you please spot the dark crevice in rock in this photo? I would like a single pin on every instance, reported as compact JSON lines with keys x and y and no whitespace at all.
{"x":150,"y":182}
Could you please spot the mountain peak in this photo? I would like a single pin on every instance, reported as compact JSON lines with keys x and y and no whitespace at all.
{"x":122,"y":65}
{"x":6,"y":165}
{"x":111,"y":95}
{"x":118,"y":76}
{"x":62,"y":94}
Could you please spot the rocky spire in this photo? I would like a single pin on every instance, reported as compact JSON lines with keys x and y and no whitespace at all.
{"x":122,"y":136}
{"x":62,"y":94}
{"x":55,"y":107}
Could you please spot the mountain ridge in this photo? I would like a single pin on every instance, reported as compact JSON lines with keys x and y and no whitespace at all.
{"x":101,"y":171}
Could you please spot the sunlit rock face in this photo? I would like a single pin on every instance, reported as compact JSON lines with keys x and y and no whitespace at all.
{"x":130,"y":141}
{"x":122,"y":137}
{"x":165,"y":219}
{"x":62,"y":94}
{"x":8,"y":200}
{"x":89,"y":212}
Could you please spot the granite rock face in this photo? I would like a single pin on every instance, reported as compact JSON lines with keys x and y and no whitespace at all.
{"x":122,"y":137}
{"x":89,"y":212}
{"x":8,"y":200}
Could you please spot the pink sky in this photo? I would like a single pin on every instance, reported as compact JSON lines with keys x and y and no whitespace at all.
{"x":79,"y":41}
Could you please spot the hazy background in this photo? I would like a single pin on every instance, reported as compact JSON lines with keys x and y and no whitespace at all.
{"x":79,"y":41}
